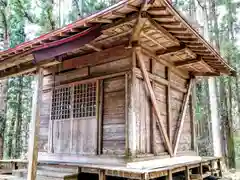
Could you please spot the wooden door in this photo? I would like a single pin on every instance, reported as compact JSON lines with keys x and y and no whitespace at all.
{"x":61,"y":117}
{"x":74,"y":119}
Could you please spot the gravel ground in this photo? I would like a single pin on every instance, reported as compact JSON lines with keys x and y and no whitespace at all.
{"x":231,"y":175}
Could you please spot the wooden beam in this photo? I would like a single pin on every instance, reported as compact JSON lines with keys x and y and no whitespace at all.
{"x":161,"y":29}
{"x":101,"y":20}
{"x":140,"y":23}
{"x":187,"y":62}
{"x":162,"y":16}
{"x":133,"y":8}
{"x":188,"y":39}
{"x":192,"y":117}
{"x":93,"y":47}
{"x":102,"y":175}
{"x":207,"y":66}
{"x":15,"y":61}
{"x":176,"y":29}
{"x":186,"y":34}
{"x":96,"y":58}
{"x":154,"y":101}
{"x":182,"y":116}
{"x":118,"y":14}
{"x":25,"y":69}
{"x":170,"y":49}
{"x":153,"y":119}
{"x":170,"y":175}
{"x":132,"y":121}
{"x":153,"y":40}
{"x":98,"y":114}
{"x":169,"y":104}
{"x":35,"y":122}
{"x":165,"y":63}
{"x":187,"y":173}
{"x":156,"y":9}
{"x":126,"y":112}
{"x":206,"y":73}
{"x":159,"y":80}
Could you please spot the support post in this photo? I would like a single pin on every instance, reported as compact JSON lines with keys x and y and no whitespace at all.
{"x":169,"y":110}
{"x":131,"y":124}
{"x":182,"y":116}
{"x":35,"y":122}
{"x":153,"y":119}
{"x":102,"y":175}
{"x":186,"y":173}
{"x":193,"y":119}
{"x":126,"y":113}
{"x":170,"y":176}
{"x":154,"y":101}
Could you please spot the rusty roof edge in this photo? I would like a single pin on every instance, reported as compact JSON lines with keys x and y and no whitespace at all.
{"x":231,"y":70}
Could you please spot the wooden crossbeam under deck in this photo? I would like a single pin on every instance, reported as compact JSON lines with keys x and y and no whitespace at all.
{"x":182,"y":116}
{"x":154,"y":101}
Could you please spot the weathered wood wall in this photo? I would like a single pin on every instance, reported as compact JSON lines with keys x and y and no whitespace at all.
{"x":112,"y":117}
{"x":149,"y":138}
{"x":94,"y":66}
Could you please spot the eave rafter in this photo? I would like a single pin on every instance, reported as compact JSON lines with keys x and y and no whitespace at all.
{"x":188,"y":62}
{"x":198,"y":60}
{"x":26,"y":68}
{"x":161,"y":29}
{"x":180,"y":45}
{"x":170,"y":49}
{"x":141,"y":20}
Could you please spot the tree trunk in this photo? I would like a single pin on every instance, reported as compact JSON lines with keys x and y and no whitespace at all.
{"x":3,"y":84}
{"x":18,"y":127}
{"x":230,"y":135}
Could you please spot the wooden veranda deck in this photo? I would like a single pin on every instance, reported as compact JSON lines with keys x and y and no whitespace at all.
{"x":193,"y":170}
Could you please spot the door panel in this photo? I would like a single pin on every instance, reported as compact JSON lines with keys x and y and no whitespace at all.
{"x":62,"y":136}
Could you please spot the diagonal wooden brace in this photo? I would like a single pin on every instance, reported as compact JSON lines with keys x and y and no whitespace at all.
{"x":154,"y":101}
{"x":182,"y":116}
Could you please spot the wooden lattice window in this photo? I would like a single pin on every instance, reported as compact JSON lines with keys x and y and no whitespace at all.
{"x":61,"y":103}
{"x":84,"y":100}
{"x":74,"y":101}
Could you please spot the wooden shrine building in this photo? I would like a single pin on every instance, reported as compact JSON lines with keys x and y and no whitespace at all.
{"x":113,"y":91}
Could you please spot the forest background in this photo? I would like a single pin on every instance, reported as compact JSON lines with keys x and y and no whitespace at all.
{"x":217,"y":20}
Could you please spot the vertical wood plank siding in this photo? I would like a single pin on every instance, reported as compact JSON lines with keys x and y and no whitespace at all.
{"x":112,"y":130}
{"x":175,"y":108}
{"x":80,"y":136}
{"x":114,"y":116}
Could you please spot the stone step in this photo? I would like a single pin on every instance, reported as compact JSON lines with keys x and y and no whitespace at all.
{"x":43,"y":174}
{"x":10,"y":177}
{"x":58,"y":169}
{"x":20,"y":172}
